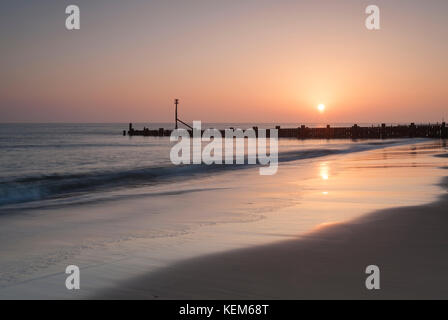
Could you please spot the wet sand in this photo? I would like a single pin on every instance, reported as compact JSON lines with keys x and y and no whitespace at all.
{"x":302,"y":234}
{"x":408,"y":244}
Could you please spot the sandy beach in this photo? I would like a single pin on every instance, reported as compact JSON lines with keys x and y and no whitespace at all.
{"x":408,"y":244}
{"x":307,"y":232}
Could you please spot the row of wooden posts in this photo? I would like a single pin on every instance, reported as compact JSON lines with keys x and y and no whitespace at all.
{"x":328,"y":132}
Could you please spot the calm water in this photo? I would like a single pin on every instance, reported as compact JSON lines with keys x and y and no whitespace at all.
{"x":64,"y":161}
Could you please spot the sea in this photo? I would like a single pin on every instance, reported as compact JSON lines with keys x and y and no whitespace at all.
{"x":64,"y":163}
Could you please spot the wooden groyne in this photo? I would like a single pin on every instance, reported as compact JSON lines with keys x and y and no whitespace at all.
{"x":328,"y":132}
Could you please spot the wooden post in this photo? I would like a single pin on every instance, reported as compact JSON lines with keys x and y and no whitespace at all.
{"x":303,"y":131}
{"x":383,"y":131}
{"x":176,"y":102}
{"x":354,"y":131}
{"x":256,"y":131}
{"x":412,"y":130}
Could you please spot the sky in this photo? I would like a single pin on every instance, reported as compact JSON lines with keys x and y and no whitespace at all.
{"x":227,"y":61}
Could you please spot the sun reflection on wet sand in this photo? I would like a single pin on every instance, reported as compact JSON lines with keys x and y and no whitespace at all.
{"x":324,"y":171}
{"x":325,"y":225}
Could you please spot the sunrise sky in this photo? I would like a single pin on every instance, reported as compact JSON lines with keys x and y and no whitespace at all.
{"x":227,"y":61}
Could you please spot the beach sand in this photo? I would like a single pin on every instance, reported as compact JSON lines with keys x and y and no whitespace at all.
{"x":309,"y":231}
{"x":408,"y":244}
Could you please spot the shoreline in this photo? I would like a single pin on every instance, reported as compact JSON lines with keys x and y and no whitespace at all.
{"x":118,"y":243}
{"x":408,"y":244}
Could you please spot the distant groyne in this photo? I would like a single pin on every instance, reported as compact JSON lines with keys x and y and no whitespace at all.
{"x":354,"y":132}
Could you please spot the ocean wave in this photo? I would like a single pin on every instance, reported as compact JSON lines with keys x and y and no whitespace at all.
{"x":42,"y":187}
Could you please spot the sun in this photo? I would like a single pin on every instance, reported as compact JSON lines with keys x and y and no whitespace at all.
{"x":321,"y":107}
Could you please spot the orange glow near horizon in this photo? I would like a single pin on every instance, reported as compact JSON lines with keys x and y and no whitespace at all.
{"x":249,"y":61}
